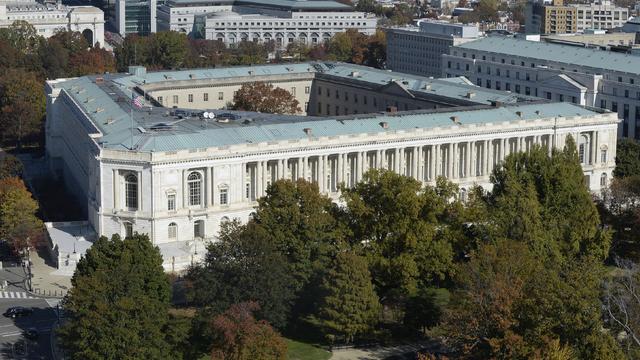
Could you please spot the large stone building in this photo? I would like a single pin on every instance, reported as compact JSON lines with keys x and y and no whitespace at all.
{"x":554,"y":18}
{"x":48,"y":18}
{"x":176,"y":174}
{"x":280,"y":21}
{"x":600,"y":15}
{"x":556,"y":72}
{"x":417,"y":49}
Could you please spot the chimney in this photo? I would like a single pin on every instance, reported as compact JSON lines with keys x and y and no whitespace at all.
{"x":355,"y":74}
{"x":384,"y":124}
{"x":496,"y":103}
{"x":426,"y":87}
{"x":307,"y":131}
{"x":471,"y":95}
{"x":392,"y":109}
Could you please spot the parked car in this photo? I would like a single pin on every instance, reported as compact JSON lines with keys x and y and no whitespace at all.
{"x":31,"y":334}
{"x":18,"y":311}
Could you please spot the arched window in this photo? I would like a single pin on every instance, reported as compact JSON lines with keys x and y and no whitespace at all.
{"x":194,"y":182}
{"x":198,"y":229}
{"x":603,"y":180}
{"x":128,"y":229}
{"x":583,"y":149}
{"x":131,"y":191}
{"x":173,"y":231}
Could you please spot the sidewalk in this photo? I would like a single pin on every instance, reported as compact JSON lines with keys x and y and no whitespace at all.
{"x":376,"y":353}
{"x":47,"y":280}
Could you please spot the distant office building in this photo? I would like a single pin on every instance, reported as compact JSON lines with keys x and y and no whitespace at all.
{"x":136,"y":17}
{"x":579,"y":75}
{"x":48,"y":18}
{"x":600,"y":15}
{"x":593,"y":38}
{"x":417,"y":49}
{"x":281,"y":21}
{"x":552,"y":18}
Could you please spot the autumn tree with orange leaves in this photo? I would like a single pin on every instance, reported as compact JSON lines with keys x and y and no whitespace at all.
{"x":264,"y":97}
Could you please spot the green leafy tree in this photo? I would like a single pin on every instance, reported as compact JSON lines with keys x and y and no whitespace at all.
{"x":349,"y":306}
{"x":627,"y":158}
{"x":22,"y":36}
{"x":395,"y":221}
{"x":19,"y":224}
{"x":542,"y":200}
{"x":239,"y":336}
{"x":242,"y":267}
{"x":10,"y":166}
{"x":118,"y":306}
{"x":168,"y":49}
{"x":263,"y":97}
{"x":22,"y":106}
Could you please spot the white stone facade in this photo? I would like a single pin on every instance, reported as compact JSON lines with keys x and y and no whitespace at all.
{"x":47,"y":19}
{"x":232,"y":24}
{"x":600,"y":15}
{"x":178,"y":186}
{"x":590,"y":77}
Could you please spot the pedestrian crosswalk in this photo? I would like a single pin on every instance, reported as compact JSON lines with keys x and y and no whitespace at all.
{"x":15,"y":295}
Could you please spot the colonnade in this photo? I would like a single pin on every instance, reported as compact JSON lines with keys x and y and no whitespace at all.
{"x":459,"y":161}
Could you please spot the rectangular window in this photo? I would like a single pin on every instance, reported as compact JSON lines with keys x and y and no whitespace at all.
{"x":173,"y":231}
{"x":175,"y":99}
{"x":205,"y":97}
{"x":307,"y":89}
{"x":224,"y":196}
{"x":603,"y":156}
{"x":159,"y":100}
{"x":293,"y":91}
{"x":220,"y":95}
{"x":319,"y":90}
{"x":190,"y":98}
{"x":171,"y":202}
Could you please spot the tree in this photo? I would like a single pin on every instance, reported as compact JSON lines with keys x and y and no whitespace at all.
{"x":394,"y":221}
{"x":19,"y":224}
{"x":239,"y":336}
{"x":10,"y":166}
{"x":243,"y":267}
{"x":349,"y":306}
{"x":627,"y":158}
{"x":542,"y":200}
{"x":263,"y":97}
{"x":118,"y":306}
{"x":510,"y":303}
{"x":622,"y":304}
{"x":22,"y":105}
{"x":168,"y":49}
{"x":94,"y":61}
{"x":22,"y":36}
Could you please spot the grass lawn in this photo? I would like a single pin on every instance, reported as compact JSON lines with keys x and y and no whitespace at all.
{"x":302,"y":351}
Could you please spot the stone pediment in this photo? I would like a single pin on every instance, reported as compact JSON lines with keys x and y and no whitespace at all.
{"x":563,"y":82}
{"x":395,"y":88}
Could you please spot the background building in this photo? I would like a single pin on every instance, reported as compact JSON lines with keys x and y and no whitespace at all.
{"x":600,"y":15}
{"x":557,"y":72}
{"x":593,"y":38}
{"x":176,"y":175}
{"x":135,"y":17}
{"x":47,"y":18}
{"x":283,"y":22}
{"x":418,"y":49}
{"x":555,"y":18}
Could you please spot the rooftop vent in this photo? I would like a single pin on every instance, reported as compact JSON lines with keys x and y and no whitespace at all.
{"x":99,"y":80}
{"x":426,"y":87}
{"x":496,"y":103}
{"x":161,"y":127}
{"x":538,"y":112}
{"x":355,"y":74}
{"x":223,"y":120}
{"x":392,"y":109}
{"x":251,"y":72}
{"x":384,"y":124}
{"x":405,"y":82}
{"x":191,"y":76}
{"x":519,"y":113}
{"x":455,"y":120}
{"x":471,"y":95}
{"x":307,"y":131}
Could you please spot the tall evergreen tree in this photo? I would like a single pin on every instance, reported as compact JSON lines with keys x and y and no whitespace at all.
{"x":627,"y":158}
{"x":349,"y":306}
{"x":118,"y":306}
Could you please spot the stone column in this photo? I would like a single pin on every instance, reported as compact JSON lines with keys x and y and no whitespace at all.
{"x":258,"y":179}
{"x":359,"y":166}
{"x":418,"y":163}
{"x":243,"y":184}
{"x":435,"y":159}
{"x":185,"y":189}
{"x":265,"y":176}
{"x":299,"y":170}
{"x":321,"y":173}
{"x":208,"y":193}
{"x":116,"y":190}
{"x":473,"y":169}
{"x":396,"y":161}
{"x":339,"y":172}
{"x":489,"y":157}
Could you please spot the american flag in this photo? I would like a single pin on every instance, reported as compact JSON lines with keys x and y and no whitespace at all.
{"x":138,"y":101}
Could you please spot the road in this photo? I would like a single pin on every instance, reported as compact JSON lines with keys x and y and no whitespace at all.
{"x":11,"y":330}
